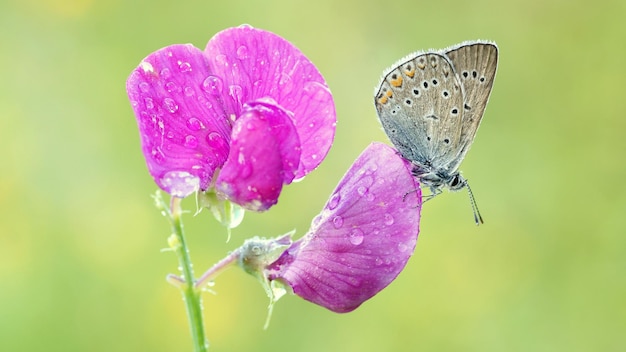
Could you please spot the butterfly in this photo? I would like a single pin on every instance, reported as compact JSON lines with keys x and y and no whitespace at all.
{"x":430,"y":105}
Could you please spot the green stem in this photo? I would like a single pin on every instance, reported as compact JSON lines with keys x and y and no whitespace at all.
{"x":191,"y":296}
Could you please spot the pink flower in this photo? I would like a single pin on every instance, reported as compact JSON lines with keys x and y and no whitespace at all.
{"x":362,"y":239}
{"x":250,"y":107}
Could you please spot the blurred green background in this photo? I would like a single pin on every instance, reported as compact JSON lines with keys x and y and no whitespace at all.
{"x":80,"y":239}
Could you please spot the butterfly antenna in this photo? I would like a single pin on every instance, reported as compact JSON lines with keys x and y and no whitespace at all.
{"x":477,"y":218}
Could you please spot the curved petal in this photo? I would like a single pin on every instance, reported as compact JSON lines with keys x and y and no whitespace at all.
{"x":184,"y":129}
{"x":362,"y":239}
{"x":257,"y":64}
{"x":264,"y":155}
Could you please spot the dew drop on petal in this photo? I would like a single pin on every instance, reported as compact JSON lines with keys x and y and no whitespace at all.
{"x":338,"y":221}
{"x":246,"y":26}
{"x":212,"y":85}
{"x":144,"y":87}
{"x":245,"y":166}
{"x":369,"y":196}
{"x":388,"y":218}
{"x":215,"y":140}
{"x":157,"y":155}
{"x":166,"y":73}
{"x":356,"y":237}
{"x":378,"y":261}
{"x":189,"y":91}
{"x":170,"y":135}
{"x":149,"y":103}
{"x":172,"y":87}
{"x":184,"y":66}
{"x":402,"y":247}
{"x":242,"y":52}
{"x":316,"y":220}
{"x":170,"y":105}
{"x":191,"y":142}
{"x":222,"y":59}
{"x":236,"y":92}
{"x":194,"y":124}
{"x":361,"y":190}
{"x":334,"y":201}
{"x":180,"y":183}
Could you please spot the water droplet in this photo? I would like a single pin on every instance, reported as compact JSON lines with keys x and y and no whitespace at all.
{"x":172,"y":87}
{"x":356,"y":237}
{"x":245,"y":168}
{"x":170,"y":105}
{"x":246,"y":26}
{"x":222,"y":59}
{"x":314,"y":156}
{"x":144,"y":87}
{"x":316,"y":220}
{"x":157,"y":155}
{"x":242,"y":52}
{"x":236,"y":92}
{"x":403,"y":247}
{"x":378,"y":261}
{"x":180,"y":183}
{"x":312,"y":125}
{"x":212,"y":85}
{"x":149,"y":103}
{"x":204,"y":101}
{"x":284,"y":79}
{"x":388,"y":218}
{"x":334,"y":201}
{"x":215,"y":140}
{"x":170,"y":135}
{"x":184,"y":66}
{"x":194,"y":124}
{"x":250,"y":126}
{"x":191,"y":142}
{"x":369,"y":196}
{"x":189,"y":91}
{"x":338,"y":221}
{"x":361,"y":190}
{"x":166,"y":73}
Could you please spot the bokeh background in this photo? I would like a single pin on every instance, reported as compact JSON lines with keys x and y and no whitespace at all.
{"x":80,"y":239}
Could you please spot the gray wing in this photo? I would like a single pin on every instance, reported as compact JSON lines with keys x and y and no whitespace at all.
{"x":419,"y":104}
{"x":475,"y":64}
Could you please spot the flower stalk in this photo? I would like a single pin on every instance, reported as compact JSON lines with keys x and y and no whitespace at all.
{"x":191,"y":296}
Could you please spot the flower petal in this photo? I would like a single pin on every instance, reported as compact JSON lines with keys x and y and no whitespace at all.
{"x":264,"y":155}
{"x":362,"y":239}
{"x":257,"y":64}
{"x":184,"y":129}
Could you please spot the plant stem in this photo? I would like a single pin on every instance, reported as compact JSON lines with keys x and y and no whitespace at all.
{"x":191,"y":296}
{"x":217,"y":269}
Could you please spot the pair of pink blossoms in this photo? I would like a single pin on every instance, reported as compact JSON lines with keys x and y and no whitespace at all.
{"x":250,"y":114}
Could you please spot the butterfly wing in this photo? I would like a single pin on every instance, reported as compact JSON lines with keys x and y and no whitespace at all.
{"x":419,"y":102}
{"x":475,"y":63}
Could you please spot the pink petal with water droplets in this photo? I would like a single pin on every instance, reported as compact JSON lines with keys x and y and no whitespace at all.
{"x":184,"y":130}
{"x":258,"y":64}
{"x":264,"y":155}
{"x":362,"y":239}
